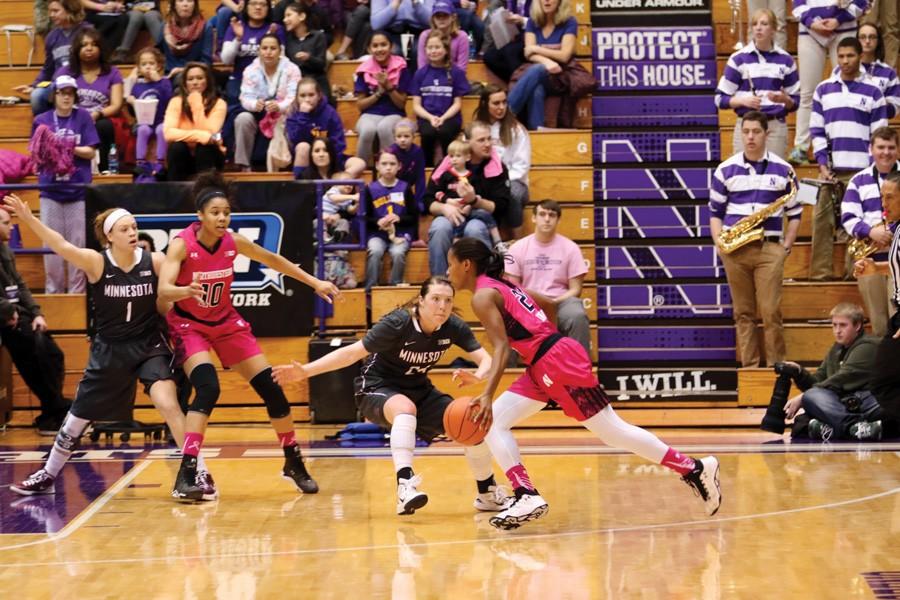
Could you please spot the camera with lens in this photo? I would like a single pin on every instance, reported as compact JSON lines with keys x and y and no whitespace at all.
{"x":791,"y":370}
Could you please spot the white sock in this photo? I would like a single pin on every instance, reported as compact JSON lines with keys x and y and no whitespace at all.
{"x":615,"y":432}
{"x":479,"y":459}
{"x":509,"y":409}
{"x":68,"y":434}
{"x":403,"y":441}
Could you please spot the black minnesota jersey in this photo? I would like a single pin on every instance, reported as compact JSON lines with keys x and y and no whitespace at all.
{"x":401,"y":355}
{"x":124,"y":304}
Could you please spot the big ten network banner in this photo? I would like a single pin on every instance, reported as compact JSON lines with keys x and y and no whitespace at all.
{"x":276,"y":215}
{"x":662,"y":299}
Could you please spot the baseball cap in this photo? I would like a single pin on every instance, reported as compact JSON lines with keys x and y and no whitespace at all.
{"x":443,"y":6}
{"x":65,"y":81}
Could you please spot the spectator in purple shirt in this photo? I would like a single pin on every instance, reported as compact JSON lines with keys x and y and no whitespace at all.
{"x":63,"y":208}
{"x":67,"y":17}
{"x":549,"y":46}
{"x":100,"y":87}
{"x":437,"y":90}
{"x":444,"y":20}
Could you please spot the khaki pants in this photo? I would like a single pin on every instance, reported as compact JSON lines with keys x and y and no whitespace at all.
{"x":876,"y":296}
{"x":754,"y":274}
{"x":821,"y":262}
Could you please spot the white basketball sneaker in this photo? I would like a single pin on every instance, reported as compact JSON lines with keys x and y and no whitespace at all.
{"x":409,"y":499}
{"x":527,"y":508}
{"x":704,"y":480}
{"x":493,"y":500}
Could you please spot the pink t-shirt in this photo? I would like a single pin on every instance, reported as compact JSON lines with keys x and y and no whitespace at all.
{"x":546,"y":268}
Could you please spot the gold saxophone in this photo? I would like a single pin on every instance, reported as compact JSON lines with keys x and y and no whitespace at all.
{"x":860,"y":249}
{"x":747,"y":229}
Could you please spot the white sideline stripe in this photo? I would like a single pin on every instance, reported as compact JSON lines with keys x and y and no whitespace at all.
{"x":498,"y":537}
{"x":89,"y":512}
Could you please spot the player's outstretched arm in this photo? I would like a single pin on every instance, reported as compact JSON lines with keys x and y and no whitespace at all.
{"x":89,"y":261}
{"x":464,"y":377}
{"x":324,"y":289}
{"x":333,"y":361}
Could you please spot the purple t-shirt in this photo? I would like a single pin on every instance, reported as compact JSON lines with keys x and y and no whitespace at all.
{"x":96,"y":95}
{"x":438,"y":88}
{"x":554,"y":40}
{"x":161,"y":90}
{"x":383,"y":106}
{"x":249,"y":46}
{"x":80,"y":127}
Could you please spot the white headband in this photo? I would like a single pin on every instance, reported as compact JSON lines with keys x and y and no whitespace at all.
{"x":114,"y":216}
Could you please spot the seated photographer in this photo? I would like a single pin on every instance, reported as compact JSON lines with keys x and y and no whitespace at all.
{"x":837,"y":397}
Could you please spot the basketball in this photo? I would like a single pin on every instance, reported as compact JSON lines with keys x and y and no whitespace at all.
{"x":458,"y":423}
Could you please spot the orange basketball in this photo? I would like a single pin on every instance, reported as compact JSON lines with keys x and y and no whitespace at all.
{"x":458,"y":423}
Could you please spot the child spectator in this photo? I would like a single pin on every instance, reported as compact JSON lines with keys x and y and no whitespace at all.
{"x":63,"y":208}
{"x":268,"y":89}
{"x":437,"y":90}
{"x":381,"y":85}
{"x":412,"y":160}
{"x":186,"y":37}
{"x":67,"y":17}
{"x":459,"y":154}
{"x":391,"y":217}
{"x":338,"y":203}
{"x":100,"y":86}
{"x":306,"y":46}
{"x":444,"y":20}
{"x":148,"y":83}
{"x":313,"y":118}
{"x":193,"y":125}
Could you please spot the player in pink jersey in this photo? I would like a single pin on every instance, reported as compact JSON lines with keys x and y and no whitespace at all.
{"x":197,"y":276}
{"x":560,"y":369}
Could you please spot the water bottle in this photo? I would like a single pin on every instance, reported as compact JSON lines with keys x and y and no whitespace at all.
{"x":113,"y":160}
{"x":471,"y":46}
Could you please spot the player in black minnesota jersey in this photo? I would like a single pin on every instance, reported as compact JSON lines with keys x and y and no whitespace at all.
{"x":128,"y":344}
{"x":394,"y":390}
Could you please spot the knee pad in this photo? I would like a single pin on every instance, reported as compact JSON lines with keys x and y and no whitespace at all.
{"x":206,"y":388}
{"x":273,"y":396}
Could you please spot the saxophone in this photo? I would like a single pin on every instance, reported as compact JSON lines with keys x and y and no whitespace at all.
{"x":747,"y":229}
{"x":859,"y":249}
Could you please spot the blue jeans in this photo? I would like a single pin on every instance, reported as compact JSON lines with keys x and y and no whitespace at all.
{"x":440,"y":238}
{"x":826,"y":406}
{"x":40,"y":100}
{"x":222,"y":21}
{"x":528,"y":95}
{"x":375,"y":252}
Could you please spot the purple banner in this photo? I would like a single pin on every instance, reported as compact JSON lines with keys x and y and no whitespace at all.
{"x":658,"y":262}
{"x":617,"y":76}
{"x":663,"y":301}
{"x":645,"y":147}
{"x":652,"y":184}
{"x":698,"y":383}
{"x":663,"y":44}
{"x":617,"y":112}
{"x":631,"y":222}
{"x":666,"y":343}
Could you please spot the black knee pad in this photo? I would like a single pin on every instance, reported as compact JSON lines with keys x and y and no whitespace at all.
{"x":276,"y":402}
{"x":206,"y":389}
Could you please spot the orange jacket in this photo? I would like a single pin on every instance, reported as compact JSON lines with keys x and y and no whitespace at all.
{"x":196,"y":130}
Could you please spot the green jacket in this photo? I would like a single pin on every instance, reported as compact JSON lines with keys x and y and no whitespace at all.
{"x":845,"y":370}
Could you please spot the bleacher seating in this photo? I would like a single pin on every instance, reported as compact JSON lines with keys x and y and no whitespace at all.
{"x":563,"y":170}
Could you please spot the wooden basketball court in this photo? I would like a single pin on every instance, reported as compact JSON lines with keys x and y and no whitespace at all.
{"x":797,"y":521}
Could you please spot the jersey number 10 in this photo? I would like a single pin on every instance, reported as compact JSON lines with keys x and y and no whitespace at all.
{"x":212,"y":294}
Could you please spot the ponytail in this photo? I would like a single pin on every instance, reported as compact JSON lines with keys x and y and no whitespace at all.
{"x":486,"y":261}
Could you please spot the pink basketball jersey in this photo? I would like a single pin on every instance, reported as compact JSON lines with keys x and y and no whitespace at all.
{"x":216,"y":272}
{"x":527,"y":327}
